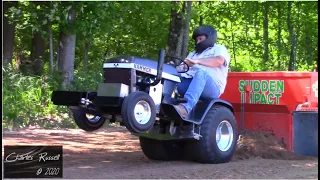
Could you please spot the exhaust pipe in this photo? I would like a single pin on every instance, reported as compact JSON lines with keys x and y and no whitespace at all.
{"x":159,"y":68}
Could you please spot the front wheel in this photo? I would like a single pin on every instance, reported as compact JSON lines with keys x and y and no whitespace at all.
{"x":86,"y":121}
{"x":138,"y":112}
{"x":219,"y":137}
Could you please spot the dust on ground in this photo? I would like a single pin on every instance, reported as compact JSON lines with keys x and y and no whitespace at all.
{"x":259,"y":144}
{"x":114,"y":153}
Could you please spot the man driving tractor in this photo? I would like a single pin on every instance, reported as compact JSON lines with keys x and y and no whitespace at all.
{"x":207,"y":76}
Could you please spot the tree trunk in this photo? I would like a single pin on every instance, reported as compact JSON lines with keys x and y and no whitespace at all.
{"x":233,"y":46}
{"x":292,"y":39}
{"x":265,"y":31}
{"x":201,"y":17}
{"x":279,"y":36}
{"x":86,"y":49}
{"x":231,"y":17}
{"x":66,"y":58}
{"x":118,"y":47}
{"x":38,"y":44}
{"x":309,"y":49}
{"x":308,"y":39}
{"x":50,"y":47}
{"x":37,"y":53}
{"x":186,"y":28}
{"x":298,"y":31}
{"x":67,"y":50}
{"x":177,"y":37}
{"x":7,"y":34}
{"x":249,"y":44}
{"x":58,"y":54}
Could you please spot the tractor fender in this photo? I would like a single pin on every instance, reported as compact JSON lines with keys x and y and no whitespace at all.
{"x":222,"y":103}
{"x":200,"y":112}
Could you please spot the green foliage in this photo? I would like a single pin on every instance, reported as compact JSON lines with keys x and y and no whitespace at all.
{"x":26,"y":101}
{"x":141,"y":28}
{"x":88,"y":81}
{"x":240,"y":28}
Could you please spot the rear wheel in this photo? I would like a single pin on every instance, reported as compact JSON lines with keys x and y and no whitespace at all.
{"x":162,"y":150}
{"x":87,"y":122}
{"x":219,"y":137}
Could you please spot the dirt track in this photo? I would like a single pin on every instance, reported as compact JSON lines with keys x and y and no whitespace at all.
{"x":114,"y":153}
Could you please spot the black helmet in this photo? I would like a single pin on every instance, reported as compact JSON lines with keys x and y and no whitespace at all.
{"x":211,"y":37}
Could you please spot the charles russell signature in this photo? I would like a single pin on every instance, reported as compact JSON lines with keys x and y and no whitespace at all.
{"x":13,"y":157}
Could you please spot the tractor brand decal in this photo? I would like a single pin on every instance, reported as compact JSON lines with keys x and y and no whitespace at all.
{"x":262,"y":91}
{"x":142,"y":68}
{"x":315,"y":88}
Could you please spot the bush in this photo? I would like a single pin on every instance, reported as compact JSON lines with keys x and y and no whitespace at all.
{"x":27,"y":101}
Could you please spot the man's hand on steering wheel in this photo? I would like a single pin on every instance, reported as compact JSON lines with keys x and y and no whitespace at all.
{"x":181,"y":67}
{"x":191,"y":62}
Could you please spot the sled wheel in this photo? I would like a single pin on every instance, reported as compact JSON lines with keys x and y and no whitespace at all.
{"x":169,"y":150}
{"x":219,"y":137}
{"x":87,"y":122}
{"x":138,"y":112}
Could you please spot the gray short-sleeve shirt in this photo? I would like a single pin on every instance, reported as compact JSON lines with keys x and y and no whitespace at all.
{"x":218,"y":74}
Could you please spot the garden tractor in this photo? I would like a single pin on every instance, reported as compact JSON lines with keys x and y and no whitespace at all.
{"x":140,"y":94}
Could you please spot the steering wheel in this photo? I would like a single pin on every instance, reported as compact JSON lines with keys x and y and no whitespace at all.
{"x":179,"y":64}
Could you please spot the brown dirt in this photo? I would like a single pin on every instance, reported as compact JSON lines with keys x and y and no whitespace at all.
{"x":114,"y":153}
{"x":263,"y":145}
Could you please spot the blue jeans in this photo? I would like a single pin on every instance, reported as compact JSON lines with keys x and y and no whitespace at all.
{"x":200,"y":86}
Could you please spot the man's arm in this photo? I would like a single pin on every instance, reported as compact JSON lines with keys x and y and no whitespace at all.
{"x":216,"y":61}
{"x":219,"y":58}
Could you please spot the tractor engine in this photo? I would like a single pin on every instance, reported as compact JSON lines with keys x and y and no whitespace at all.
{"x":137,"y":73}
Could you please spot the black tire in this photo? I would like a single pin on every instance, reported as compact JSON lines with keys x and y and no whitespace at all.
{"x":128,"y":116}
{"x":169,"y":150}
{"x":83,"y":122}
{"x":206,"y":149}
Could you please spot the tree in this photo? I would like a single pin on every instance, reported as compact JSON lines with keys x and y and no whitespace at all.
{"x":179,"y":31}
{"x":8,"y":33}
{"x":67,"y":47}
{"x":292,"y":39}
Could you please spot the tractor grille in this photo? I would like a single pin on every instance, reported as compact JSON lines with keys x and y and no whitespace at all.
{"x":117,"y":75}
